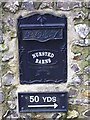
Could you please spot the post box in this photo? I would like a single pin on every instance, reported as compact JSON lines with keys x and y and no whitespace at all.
{"x":42,"y":43}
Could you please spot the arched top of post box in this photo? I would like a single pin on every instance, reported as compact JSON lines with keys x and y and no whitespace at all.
{"x":42,"y":19}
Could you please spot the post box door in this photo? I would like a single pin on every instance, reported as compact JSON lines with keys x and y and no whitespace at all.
{"x":42,"y":41}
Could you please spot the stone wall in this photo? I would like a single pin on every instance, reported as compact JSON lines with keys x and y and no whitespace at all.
{"x":78,"y":15}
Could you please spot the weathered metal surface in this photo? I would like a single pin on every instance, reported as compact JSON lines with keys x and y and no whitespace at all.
{"x":42,"y":40}
{"x":43,"y":102}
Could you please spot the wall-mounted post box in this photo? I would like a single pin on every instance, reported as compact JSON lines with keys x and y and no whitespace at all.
{"x":42,"y":41}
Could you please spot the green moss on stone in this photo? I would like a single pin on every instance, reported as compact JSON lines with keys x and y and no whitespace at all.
{"x":9,"y":90}
{"x":76,"y":49}
{"x":5,"y":28}
{"x":33,"y":115}
{"x":72,"y":107}
{"x":88,"y":37}
{"x":88,"y":76}
{"x":80,"y":21}
{"x":3,"y":45}
{"x":83,"y":64}
{"x":4,"y":67}
{"x":85,"y":52}
{"x":6,"y":93}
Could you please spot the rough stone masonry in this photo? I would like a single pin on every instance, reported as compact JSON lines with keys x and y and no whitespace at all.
{"x":78,"y":83}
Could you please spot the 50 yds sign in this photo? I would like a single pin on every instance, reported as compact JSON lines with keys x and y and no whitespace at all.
{"x":43,"y":102}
